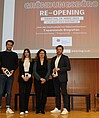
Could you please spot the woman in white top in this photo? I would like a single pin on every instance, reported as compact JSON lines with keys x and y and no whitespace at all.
{"x":25,"y":80}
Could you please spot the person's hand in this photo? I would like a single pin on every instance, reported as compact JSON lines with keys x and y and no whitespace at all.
{"x":11,"y":72}
{"x":25,"y":79}
{"x":53,"y":75}
{"x":55,"y":72}
{"x":3,"y":70}
{"x":43,"y":80}
{"x":56,"y":69}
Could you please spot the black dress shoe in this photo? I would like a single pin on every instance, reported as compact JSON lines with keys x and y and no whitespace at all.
{"x":37,"y":112}
{"x":42,"y":112}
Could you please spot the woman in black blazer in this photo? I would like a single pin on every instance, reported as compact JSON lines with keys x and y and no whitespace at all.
{"x":25,"y":80}
{"x":41,"y":71}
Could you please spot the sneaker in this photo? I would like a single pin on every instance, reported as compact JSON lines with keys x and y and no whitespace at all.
{"x":64,"y":111}
{"x":56,"y":110}
{"x":9,"y":111}
{"x":21,"y":113}
{"x":26,"y":112}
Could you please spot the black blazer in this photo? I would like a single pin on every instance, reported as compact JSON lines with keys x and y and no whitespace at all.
{"x":36,"y":75}
{"x":64,"y":65}
{"x":21,"y":71}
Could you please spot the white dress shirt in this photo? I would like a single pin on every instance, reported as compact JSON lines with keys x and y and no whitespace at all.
{"x":56,"y":65}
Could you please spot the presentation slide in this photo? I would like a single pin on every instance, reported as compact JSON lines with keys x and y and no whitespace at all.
{"x":46,"y":24}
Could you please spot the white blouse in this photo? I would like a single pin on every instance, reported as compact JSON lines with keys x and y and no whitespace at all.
{"x":26,"y":65}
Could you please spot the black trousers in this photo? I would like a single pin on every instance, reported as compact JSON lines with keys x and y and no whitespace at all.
{"x":60,"y":87}
{"x":41,"y":95}
{"x":24,"y":90}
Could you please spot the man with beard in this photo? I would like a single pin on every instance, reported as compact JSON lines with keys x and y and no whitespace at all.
{"x":60,"y":64}
{"x":8,"y":65}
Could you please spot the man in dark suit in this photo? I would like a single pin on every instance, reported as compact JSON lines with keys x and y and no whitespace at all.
{"x":60,"y":64}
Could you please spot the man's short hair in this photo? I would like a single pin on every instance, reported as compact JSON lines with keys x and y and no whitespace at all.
{"x":11,"y":41}
{"x":60,"y":46}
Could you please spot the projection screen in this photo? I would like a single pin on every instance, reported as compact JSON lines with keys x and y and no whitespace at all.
{"x":45,"y":24}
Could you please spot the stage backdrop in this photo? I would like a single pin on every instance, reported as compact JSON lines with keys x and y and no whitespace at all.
{"x":45,"y":24}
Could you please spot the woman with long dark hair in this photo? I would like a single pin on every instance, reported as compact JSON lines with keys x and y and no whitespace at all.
{"x":41,"y":70}
{"x":25,"y":80}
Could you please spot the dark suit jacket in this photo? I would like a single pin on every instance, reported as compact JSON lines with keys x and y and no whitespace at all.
{"x":64,"y":65}
{"x":37,"y":76}
{"x":21,"y":71}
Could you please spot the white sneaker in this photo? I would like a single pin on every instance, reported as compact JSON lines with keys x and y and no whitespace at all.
{"x":26,"y":112}
{"x":56,"y":110}
{"x":21,"y":113}
{"x":64,"y":111}
{"x":9,"y":111}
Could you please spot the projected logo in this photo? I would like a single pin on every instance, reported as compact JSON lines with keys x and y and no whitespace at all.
{"x":65,"y":41}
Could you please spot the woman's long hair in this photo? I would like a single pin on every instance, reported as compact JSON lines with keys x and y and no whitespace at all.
{"x":23,"y":55}
{"x":37,"y":55}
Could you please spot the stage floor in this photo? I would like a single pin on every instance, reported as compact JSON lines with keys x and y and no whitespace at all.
{"x":71,"y":114}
